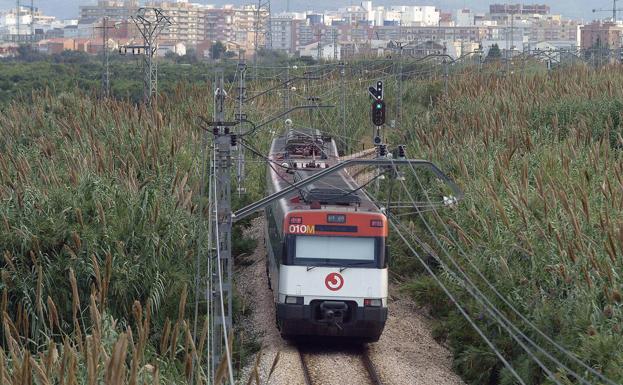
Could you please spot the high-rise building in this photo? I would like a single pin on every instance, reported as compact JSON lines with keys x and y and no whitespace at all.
{"x":555,"y":31}
{"x":186,"y":21}
{"x":218,"y":24}
{"x":519,"y":9}
{"x":282,"y":33}
{"x":600,"y":34}
{"x":113,"y":9}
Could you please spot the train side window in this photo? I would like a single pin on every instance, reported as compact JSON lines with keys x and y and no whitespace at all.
{"x":382,"y":250}
{"x":289,"y":246}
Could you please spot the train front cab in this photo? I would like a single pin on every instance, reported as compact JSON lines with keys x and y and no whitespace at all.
{"x":333,"y":275}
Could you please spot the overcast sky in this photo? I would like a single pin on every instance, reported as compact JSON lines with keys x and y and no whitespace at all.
{"x":569,"y":8}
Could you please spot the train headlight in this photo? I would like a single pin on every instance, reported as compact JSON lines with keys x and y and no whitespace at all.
{"x":294,"y":300}
{"x":373,"y":302}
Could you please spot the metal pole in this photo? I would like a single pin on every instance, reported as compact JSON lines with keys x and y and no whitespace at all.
{"x":335,"y":44}
{"x":17,"y":20}
{"x":150,"y":23}
{"x":105,"y":63}
{"x":240,"y":116}
{"x":445,"y":75}
{"x":343,"y":101}
{"x":32,"y":20}
{"x":222,"y":315}
{"x":286,"y":91}
{"x":256,"y":37}
{"x":400,"y":65}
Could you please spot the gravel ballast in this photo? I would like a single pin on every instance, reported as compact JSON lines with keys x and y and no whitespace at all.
{"x":405,"y":354}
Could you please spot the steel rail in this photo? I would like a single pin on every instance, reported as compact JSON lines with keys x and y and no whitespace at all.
{"x":367,"y":362}
{"x":306,"y":373}
{"x":363,"y":355}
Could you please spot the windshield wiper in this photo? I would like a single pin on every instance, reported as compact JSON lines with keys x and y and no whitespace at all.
{"x":359,"y":263}
{"x":311,"y":267}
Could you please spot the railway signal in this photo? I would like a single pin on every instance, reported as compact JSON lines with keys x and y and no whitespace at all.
{"x":378,"y":113}
{"x":378,"y":105}
{"x":377,"y":93}
{"x":401,"y":152}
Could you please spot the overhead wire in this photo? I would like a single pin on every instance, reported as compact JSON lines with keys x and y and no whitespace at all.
{"x":473,"y":291}
{"x":492,"y":309}
{"x":508,"y":303}
{"x":456,"y":303}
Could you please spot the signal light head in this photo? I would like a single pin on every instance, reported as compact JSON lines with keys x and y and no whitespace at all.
{"x":401,"y":151}
{"x":382,"y":150}
{"x":378,"y":113}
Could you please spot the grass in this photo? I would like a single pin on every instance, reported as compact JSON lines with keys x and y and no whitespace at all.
{"x":539,"y":157}
{"x":99,"y":210}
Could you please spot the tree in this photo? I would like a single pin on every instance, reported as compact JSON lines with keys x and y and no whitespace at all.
{"x":494,"y":53}
{"x":217,"y":50}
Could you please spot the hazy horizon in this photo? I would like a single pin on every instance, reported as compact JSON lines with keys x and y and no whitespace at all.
{"x":569,"y":8}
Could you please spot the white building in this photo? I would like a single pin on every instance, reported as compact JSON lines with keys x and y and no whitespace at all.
{"x":177,"y":48}
{"x":417,"y":16}
{"x":327,"y":51}
{"x":29,"y":21}
{"x":464,"y":18}
{"x":10,"y":21}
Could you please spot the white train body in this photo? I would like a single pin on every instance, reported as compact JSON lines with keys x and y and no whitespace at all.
{"x":327,"y":255}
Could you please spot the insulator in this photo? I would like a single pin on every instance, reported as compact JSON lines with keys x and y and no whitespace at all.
{"x":234,"y":140}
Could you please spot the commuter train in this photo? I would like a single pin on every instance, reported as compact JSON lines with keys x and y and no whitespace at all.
{"x":326,"y":245}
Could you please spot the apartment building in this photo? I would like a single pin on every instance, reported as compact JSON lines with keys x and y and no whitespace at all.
{"x":600,"y":34}
{"x":218,"y":24}
{"x":113,"y":9}
{"x":282,"y":34}
{"x":186,"y":24}
{"x":419,"y":34}
{"x":519,"y":9}
{"x":555,"y":31}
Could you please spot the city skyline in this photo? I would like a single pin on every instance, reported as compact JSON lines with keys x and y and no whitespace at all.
{"x":67,"y":9}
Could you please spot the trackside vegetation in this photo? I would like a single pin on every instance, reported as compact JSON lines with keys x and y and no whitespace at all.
{"x":100,"y":214}
{"x":539,"y":157}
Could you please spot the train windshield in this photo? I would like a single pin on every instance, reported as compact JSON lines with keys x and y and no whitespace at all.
{"x":317,"y":250}
{"x":335,"y":248}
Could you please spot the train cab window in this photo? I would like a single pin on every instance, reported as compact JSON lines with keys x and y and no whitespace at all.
{"x":335,"y":248}
{"x":313,"y":250}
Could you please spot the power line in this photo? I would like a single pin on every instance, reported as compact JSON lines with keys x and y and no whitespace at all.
{"x":507,"y":302}
{"x":466,"y":277}
{"x":105,"y":57}
{"x":150,"y":23}
{"x":458,"y":305}
{"x":222,"y":315}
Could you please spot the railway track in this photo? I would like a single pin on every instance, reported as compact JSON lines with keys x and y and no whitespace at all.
{"x":313,"y":375}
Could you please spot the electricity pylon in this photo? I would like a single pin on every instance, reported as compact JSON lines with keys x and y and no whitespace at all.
{"x":150,"y":23}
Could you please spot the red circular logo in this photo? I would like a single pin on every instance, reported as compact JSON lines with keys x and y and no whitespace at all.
{"x":334,"y":281}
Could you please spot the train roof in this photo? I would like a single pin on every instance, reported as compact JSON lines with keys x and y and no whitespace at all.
{"x":301,"y":153}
